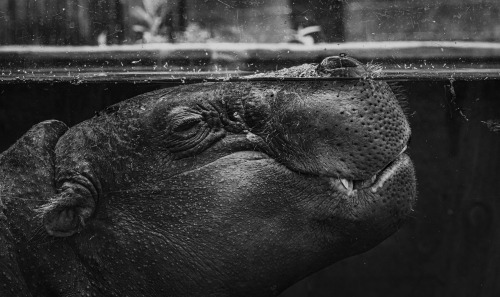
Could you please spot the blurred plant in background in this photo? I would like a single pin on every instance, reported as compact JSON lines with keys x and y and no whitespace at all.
{"x":194,"y":33}
{"x":152,"y":20}
{"x":493,"y":125}
{"x":191,"y":21}
{"x":106,"y":22}
{"x":305,"y":35}
{"x":197,"y":33}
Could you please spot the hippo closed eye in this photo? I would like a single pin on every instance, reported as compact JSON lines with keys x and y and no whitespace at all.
{"x":222,"y":189}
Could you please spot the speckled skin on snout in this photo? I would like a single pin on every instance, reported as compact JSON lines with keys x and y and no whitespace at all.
{"x":214,"y":189}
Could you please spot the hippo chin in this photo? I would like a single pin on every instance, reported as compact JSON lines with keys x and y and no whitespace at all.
{"x":214,"y":189}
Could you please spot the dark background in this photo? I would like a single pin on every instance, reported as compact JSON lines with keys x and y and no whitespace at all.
{"x":450,"y":245}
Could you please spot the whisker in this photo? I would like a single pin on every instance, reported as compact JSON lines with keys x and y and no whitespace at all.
{"x":39,"y":236}
{"x":400,"y":93}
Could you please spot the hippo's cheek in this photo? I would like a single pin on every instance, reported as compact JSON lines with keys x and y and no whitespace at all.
{"x":244,"y":180}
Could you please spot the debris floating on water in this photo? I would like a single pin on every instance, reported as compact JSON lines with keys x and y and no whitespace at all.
{"x":493,"y":125}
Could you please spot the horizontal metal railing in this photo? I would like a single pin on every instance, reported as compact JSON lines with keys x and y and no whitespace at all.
{"x":183,"y":63}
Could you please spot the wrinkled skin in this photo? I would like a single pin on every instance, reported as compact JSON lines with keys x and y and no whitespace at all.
{"x":215,"y":189}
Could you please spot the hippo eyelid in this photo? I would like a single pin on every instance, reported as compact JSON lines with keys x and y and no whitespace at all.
{"x":186,"y":124}
{"x":183,"y":119}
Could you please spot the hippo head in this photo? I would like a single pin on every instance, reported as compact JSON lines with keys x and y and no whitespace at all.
{"x":232,"y":188}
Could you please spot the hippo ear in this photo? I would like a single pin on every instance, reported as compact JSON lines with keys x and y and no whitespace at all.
{"x":67,"y":212}
{"x":27,"y":167}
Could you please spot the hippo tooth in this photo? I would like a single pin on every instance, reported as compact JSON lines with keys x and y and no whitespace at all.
{"x":373,"y":179}
{"x":347,"y":184}
{"x":403,"y":150}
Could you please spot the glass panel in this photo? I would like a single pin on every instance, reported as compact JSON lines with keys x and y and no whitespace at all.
{"x":452,"y":20}
{"x":149,"y":40}
{"x":91,"y":22}
{"x":67,"y":59}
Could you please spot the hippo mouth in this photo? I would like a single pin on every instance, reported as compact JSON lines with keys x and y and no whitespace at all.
{"x":375,"y":182}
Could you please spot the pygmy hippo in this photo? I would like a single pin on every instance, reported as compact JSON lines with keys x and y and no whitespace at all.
{"x":213,"y":189}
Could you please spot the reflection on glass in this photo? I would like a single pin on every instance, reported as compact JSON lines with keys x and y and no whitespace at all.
{"x":226,"y":38}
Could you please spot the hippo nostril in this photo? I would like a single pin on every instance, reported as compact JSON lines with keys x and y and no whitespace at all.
{"x":341,"y":66}
{"x":331,"y":63}
{"x":337,"y":62}
{"x":350,"y":62}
